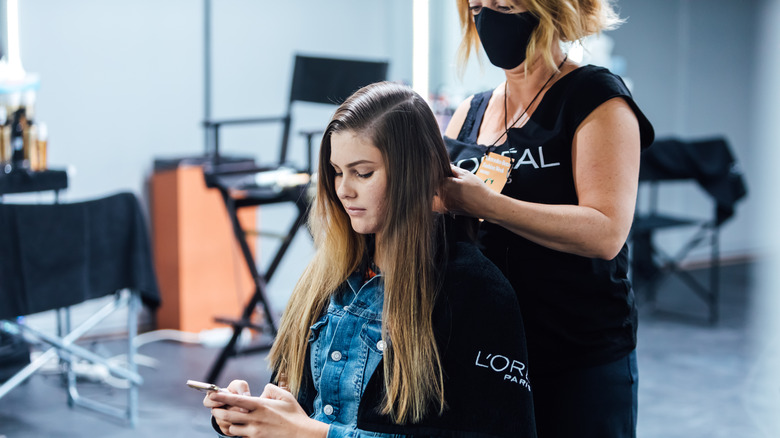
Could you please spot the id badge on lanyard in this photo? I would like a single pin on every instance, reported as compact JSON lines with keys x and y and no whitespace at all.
{"x":494,"y":171}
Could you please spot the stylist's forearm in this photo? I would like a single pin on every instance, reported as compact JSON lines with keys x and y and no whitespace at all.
{"x":575,"y":229}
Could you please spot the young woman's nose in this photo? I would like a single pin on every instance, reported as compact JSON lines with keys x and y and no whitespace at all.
{"x":344,"y":188}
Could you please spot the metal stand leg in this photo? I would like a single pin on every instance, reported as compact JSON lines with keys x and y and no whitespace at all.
{"x":68,"y":351}
{"x":259,"y":296}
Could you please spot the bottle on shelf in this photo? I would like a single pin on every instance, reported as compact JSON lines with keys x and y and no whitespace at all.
{"x":18,"y":158}
{"x":5,"y":137}
{"x":31,"y":145}
{"x":40,"y":147}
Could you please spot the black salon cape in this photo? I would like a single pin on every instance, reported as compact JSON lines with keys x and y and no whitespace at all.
{"x":480,"y":335}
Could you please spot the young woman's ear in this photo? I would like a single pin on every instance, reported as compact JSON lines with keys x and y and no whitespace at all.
{"x":438,"y":203}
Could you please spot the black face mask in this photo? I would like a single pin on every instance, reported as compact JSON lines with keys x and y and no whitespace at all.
{"x":505,"y":36}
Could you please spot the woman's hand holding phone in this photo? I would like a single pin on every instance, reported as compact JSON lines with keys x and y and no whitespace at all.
{"x":274,"y":413}
{"x":239,"y":387}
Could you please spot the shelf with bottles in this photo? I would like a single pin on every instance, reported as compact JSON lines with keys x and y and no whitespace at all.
{"x":27,"y":181}
{"x":23,"y":143}
{"x":23,"y":140}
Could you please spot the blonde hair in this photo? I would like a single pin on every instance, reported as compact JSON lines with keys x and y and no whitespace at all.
{"x":562,"y":20}
{"x":400,"y":123}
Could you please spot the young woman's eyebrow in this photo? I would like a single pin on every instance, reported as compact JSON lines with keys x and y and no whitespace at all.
{"x":353,"y":164}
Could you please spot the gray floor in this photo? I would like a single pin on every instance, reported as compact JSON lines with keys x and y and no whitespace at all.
{"x":696,"y":380}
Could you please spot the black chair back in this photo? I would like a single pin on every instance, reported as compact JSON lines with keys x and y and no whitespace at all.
{"x":332,"y":80}
{"x":708,"y":162}
{"x":326,"y":81}
{"x":316,"y":80}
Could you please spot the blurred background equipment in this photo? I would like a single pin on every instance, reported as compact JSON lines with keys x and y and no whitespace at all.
{"x":711,"y":165}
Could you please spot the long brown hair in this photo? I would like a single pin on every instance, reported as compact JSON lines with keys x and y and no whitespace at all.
{"x":564,"y":20}
{"x":400,"y":123}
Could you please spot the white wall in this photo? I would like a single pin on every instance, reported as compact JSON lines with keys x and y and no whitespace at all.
{"x":120,"y":83}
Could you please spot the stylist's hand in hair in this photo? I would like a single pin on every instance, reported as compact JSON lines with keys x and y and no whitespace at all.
{"x":276,"y":413}
{"x":465,"y":193}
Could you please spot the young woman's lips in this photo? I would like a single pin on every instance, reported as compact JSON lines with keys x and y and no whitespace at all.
{"x":354,"y":211}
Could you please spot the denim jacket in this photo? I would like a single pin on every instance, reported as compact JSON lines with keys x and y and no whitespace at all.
{"x":345,"y":348}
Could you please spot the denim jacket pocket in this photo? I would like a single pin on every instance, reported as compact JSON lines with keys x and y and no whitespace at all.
{"x":371,"y":335}
{"x":373,"y":347}
{"x":315,"y":347}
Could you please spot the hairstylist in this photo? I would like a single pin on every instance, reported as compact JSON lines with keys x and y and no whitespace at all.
{"x":558,"y":228}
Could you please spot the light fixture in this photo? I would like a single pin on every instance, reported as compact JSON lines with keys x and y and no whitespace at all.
{"x":420,"y":47}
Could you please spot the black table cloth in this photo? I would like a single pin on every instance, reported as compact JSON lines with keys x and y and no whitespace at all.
{"x":56,"y":255}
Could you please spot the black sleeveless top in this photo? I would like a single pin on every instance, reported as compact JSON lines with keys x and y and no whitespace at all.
{"x":578,"y":311}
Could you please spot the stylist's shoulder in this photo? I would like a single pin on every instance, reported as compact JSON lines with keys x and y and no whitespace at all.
{"x":456,"y":122}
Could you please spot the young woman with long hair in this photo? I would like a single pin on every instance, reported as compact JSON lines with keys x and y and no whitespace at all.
{"x":398,"y":325}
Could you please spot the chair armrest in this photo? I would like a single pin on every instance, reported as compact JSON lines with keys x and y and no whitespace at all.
{"x":309,"y":134}
{"x":215,"y":125}
{"x":244,"y":121}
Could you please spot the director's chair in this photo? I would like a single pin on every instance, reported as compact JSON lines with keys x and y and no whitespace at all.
{"x":709,"y":164}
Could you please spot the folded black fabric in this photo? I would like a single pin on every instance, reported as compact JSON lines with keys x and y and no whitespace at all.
{"x":55,"y":255}
{"x":709,"y":162}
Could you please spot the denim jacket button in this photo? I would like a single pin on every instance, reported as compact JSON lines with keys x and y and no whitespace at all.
{"x":381,"y":345}
{"x":327,"y":409}
{"x":336,"y":356}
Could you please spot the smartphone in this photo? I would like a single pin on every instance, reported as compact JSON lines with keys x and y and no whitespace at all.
{"x":200,"y":386}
